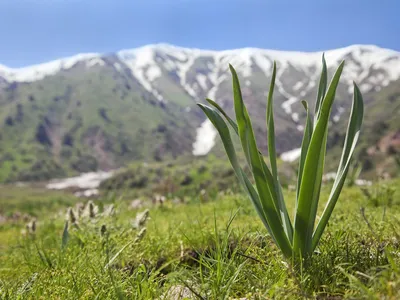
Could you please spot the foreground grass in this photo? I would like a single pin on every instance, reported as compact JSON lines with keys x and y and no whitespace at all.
{"x":212,"y":250}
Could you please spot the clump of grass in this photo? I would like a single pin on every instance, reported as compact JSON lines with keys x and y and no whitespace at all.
{"x":296,"y":241}
{"x":379,"y":195}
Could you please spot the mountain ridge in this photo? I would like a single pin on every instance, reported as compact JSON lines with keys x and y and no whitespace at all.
{"x":81,"y":55}
{"x":69,"y":61}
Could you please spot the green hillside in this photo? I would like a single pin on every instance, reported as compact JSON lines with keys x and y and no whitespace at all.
{"x":80,"y":121}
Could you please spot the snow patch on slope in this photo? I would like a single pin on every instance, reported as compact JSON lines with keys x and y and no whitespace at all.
{"x":240,"y":59}
{"x":183,"y":69}
{"x":153,"y":73}
{"x":94,"y":62}
{"x":206,"y":133}
{"x":89,"y":180}
{"x":143,"y":66}
{"x":205,"y":139}
{"x":287,"y":105}
{"x":263,"y":63}
{"x":336,"y":117}
{"x":295,"y":117}
{"x":202,"y":79}
{"x":291,"y":155}
{"x":118,"y":67}
{"x":298,"y":85}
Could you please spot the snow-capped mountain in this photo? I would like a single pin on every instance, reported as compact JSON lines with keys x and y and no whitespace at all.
{"x":200,"y":72}
{"x":368,"y":65}
{"x":176,"y":78}
{"x":148,"y":63}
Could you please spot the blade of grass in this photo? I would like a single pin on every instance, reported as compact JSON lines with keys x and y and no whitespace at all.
{"x":352,"y":135}
{"x":312,"y":175}
{"x":117,"y":254}
{"x":65,"y":236}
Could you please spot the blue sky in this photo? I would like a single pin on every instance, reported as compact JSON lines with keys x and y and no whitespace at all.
{"x":35,"y":31}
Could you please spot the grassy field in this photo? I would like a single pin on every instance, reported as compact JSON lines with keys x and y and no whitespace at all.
{"x":213,"y":248}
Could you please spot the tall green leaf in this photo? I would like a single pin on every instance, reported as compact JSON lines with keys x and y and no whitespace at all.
{"x":277,"y":192}
{"x":219,"y":108}
{"x":352,"y":135}
{"x":272,"y":159}
{"x":312,"y":175}
{"x":270,"y":125}
{"x":250,"y":149}
{"x":224,"y":133}
{"x":304,"y":148}
{"x":323,"y":81}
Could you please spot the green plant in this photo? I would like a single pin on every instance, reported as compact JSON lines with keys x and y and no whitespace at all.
{"x":296,"y":241}
{"x":379,"y":195}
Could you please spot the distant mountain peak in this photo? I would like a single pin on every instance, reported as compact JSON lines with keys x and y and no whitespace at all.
{"x":39,"y":71}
